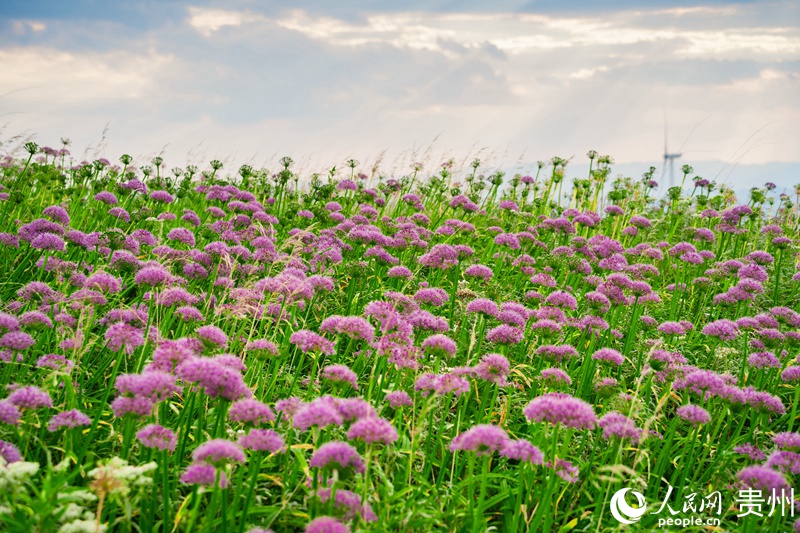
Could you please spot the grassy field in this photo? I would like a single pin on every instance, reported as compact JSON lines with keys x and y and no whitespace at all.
{"x":204,"y":350}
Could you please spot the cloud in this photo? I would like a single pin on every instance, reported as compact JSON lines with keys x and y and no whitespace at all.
{"x":326,"y":83}
{"x":207,"y":21}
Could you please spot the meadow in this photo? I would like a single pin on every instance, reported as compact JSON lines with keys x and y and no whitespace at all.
{"x":453,"y":349}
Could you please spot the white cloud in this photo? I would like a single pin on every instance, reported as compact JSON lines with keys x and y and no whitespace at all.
{"x":207,"y":21}
{"x":88,"y":78}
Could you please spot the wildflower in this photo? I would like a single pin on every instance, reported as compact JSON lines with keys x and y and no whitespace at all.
{"x":250,"y":411}
{"x":68,"y":419}
{"x":337,"y":455}
{"x":615,"y":424}
{"x":203,"y":474}
{"x":154,"y":385}
{"x":522,"y":450}
{"x":398,"y":399}
{"x":218,"y":452}
{"x":155,"y":436}
{"x":693,"y":414}
{"x":341,"y":374}
{"x":762,"y":478}
{"x":326,"y":524}
{"x":750,"y":450}
{"x":30,"y":398}
{"x":262,"y":440}
{"x":484,"y":306}
{"x":479,"y":271}
{"x":355,"y":327}
{"x":212,"y":336}
{"x":439,"y":345}
{"x":9,"y":452}
{"x":483,"y":439}
{"x":554,"y":377}
{"x":216,"y":378}
{"x":372,"y":429}
{"x":9,"y":413}
{"x":493,"y":367}
{"x":321,"y":412}
{"x":350,"y":502}
{"x":17,"y":340}
{"x":558,"y":408}
{"x":504,"y":334}
{"x":308,"y":341}
{"x":609,"y":355}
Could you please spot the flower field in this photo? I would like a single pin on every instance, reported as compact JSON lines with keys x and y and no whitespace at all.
{"x":201,"y":350}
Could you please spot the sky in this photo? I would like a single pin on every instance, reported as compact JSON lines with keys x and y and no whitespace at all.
{"x":391,"y":83}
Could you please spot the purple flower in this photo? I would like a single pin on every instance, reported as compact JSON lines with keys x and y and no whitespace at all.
{"x":787,"y":441}
{"x":784,"y":461}
{"x":762,"y":478}
{"x":555,"y":377}
{"x":350,"y":502}
{"x":433,"y":296}
{"x":57,"y":213}
{"x":522,"y":450}
{"x":151,"y":275}
{"x":483,"y":439}
{"x":262,"y":440}
{"x":340,"y":373}
{"x":250,"y":411}
{"x":750,"y":451}
{"x":438,"y":345}
{"x":321,"y":412}
{"x":9,"y":452}
{"x":218,"y":452}
{"x":118,"y":212}
{"x":562,"y":299}
{"x":155,"y":436}
{"x":30,"y":398}
{"x":484,"y":306}
{"x":48,"y":241}
{"x":106,"y":197}
{"x":337,"y":455}
{"x":399,"y":272}
{"x":355,"y":327}
{"x":9,"y":413}
{"x":261,"y":348}
{"x":479,"y":271}
{"x":17,"y":341}
{"x":616,"y":424}
{"x":154,"y":385}
{"x":134,"y":405}
{"x":398,"y":399}
{"x":216,"y":378}
{"x":558,"y":408}
{"x":763,"y":401}
{"x":493,"y":367}
{"x":182,"y":235}
{"x":212,"y":336}
{"x":122,"y":336}
{"x":326,"y":524}
{"x":565,"y":470}
{"x":504,"y":334}
{"x":693,"y":414}
{"x":308,"y":341}
{"x":203,"y":474}
{"x":161,"y":196}
{"x":372,"y":429}
{"x":68,"y":419}
{"x":609,"y":355}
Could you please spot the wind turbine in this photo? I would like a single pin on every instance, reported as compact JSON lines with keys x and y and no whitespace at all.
{"x":669,"y":159}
